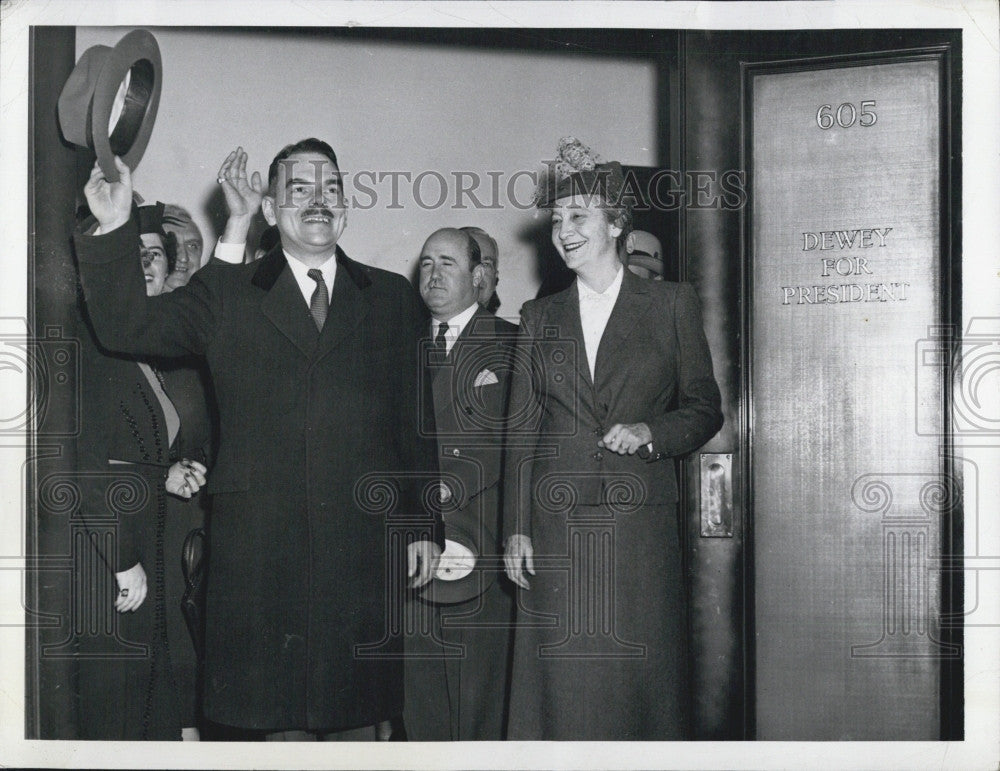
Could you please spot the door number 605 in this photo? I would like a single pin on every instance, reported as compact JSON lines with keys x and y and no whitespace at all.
{"x":846,"y":115}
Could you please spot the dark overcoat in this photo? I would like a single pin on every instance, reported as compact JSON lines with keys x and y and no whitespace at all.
{"x":137,"y":674}
{"x":600,"y":643}
{"x":319,"y":478}
{"x":457,"y":675}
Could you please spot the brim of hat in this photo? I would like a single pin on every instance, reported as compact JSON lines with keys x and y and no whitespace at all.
{"x":645,"y":261}
{"x":137,"y":46}
{"x":462,"y":528}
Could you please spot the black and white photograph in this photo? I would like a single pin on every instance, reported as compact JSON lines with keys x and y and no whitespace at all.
{"x":500,"y":385}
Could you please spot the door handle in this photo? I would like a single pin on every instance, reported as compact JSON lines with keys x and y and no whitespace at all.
{"x":717,"y":495}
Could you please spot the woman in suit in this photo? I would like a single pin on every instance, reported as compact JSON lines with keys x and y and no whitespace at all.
{"x":613,"y":378}
{"x":142,"y":455}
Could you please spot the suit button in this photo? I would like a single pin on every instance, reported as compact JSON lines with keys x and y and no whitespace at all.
{"x":456,"y":452}
{"x":598,"y":456}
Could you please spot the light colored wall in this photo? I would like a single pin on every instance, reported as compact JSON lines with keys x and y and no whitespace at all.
{"x":389,"y":107}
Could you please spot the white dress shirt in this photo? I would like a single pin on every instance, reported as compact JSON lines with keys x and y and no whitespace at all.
{"x":455,"y":325}
{"x":234,"y":253}
{"x":595,"y":310}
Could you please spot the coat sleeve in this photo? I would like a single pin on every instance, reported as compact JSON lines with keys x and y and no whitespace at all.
{"x":125,"y":320}
{"x":698,"y":415}
{"x":416,"y":419}
{"x":521,"y":435}
{"x":187,"y":386}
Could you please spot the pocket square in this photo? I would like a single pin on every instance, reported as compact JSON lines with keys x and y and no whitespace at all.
{"x":486,"y":377}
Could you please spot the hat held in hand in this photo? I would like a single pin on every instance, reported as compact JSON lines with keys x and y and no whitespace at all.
{"x":460,"y":575}
{"x":110,"y":99}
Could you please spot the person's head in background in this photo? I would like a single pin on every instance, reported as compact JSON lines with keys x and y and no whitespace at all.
{"x":190,"y":245}
{"x":269,"y":239}
{"x":451,"y":273}
{"x":158,"y":251}
{"x":491,"y":267}
{"x":643,"y":255}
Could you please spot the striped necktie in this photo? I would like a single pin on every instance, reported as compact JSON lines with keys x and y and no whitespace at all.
{"x":319,"y":304}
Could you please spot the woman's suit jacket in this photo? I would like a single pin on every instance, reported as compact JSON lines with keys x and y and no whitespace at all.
{"x":653,"y":366}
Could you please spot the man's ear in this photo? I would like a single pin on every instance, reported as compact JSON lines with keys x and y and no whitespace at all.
{"x":478,"y":275}
{"x":267,"y":207}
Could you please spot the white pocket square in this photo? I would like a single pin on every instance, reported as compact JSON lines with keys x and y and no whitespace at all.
{"x":486,"y":377}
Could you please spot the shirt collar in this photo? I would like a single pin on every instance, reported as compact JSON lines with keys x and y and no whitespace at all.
{"x":301,"y":272}
{"x":586,"y":293}
{"x":458,"y":322}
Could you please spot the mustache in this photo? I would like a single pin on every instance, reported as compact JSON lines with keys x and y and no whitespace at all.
{"x":318,"y":210}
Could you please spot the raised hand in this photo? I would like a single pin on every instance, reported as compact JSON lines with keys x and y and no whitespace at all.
{"x":110,"y":202}
{"x":243,"y":195}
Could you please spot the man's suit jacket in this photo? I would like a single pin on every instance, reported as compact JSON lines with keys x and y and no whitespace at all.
{"x":653,"y":366}
{"x":459,"y":692}
{"x":319,"y":478}
{"x":470,"y":400}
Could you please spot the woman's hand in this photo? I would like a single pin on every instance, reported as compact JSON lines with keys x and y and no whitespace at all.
{"x":110,"y":202}
{"x":626,"y":438}
{"x":185,"y":478}
{"x":131,"y":588}
{"x":518,"y":555}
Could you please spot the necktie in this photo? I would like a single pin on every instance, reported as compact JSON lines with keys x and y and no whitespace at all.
{"x":440,"y":344}
{"x":319,"y":303}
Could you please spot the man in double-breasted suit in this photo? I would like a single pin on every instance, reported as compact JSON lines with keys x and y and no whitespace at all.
{"x":457,"y":652}
{"x":321,"y":471}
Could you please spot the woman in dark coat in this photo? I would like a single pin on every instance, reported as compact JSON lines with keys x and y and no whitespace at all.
{"x":142,"y":455}
{"x":614,"y":379}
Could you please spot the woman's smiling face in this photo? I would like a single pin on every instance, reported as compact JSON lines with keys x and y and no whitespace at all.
{"x":154,"y":263}
{"x":582,"y":232}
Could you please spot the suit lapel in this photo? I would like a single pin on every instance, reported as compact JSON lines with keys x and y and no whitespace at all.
{"x":631,"y":305}
{"x":565,"y":315}
{"x":283,"y":305}
{"x":479,"y":331}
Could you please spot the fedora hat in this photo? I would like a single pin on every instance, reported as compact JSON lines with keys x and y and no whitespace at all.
{"x":643,"y":250}
{"x":461,"y":575}
{"x":110,"y":99}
